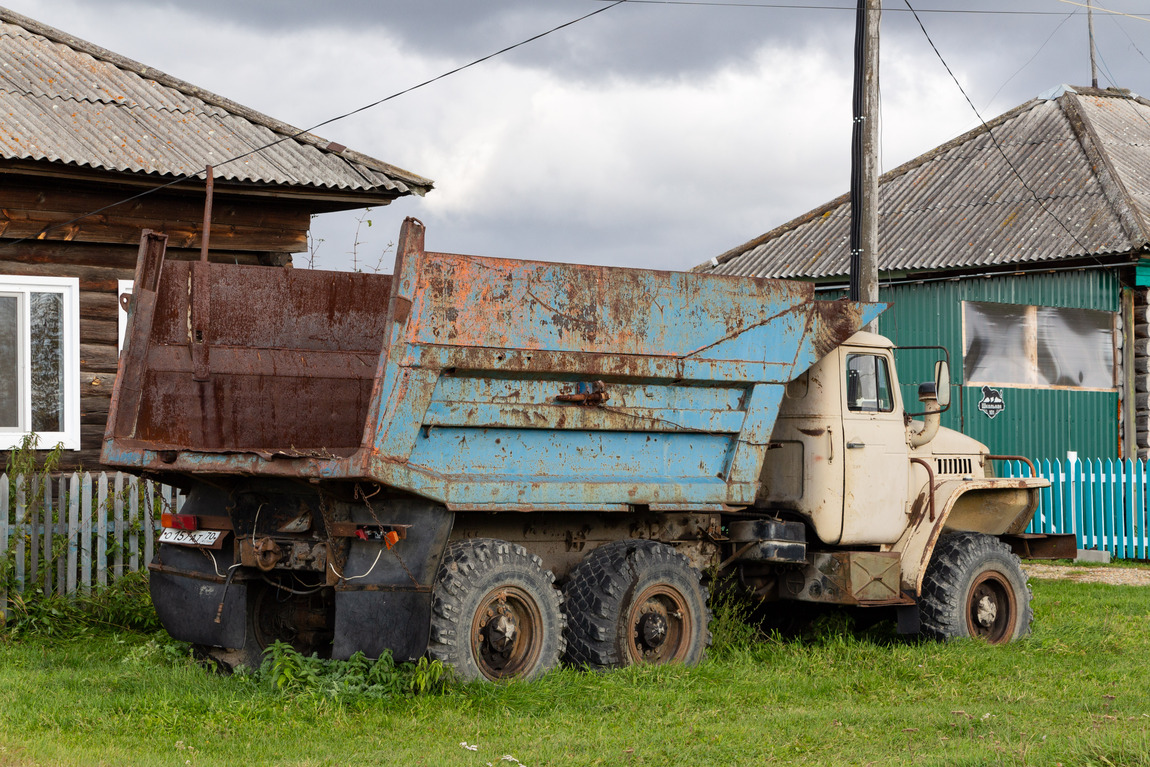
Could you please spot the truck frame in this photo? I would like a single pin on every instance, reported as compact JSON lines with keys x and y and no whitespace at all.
{"x":507,"y":463}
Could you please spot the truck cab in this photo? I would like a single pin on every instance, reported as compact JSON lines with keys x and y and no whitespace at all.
{"x":875,"y":486}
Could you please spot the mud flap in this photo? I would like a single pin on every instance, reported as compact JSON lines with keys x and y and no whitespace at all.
{"x":187,"y":592}
{"x":385,"y":597}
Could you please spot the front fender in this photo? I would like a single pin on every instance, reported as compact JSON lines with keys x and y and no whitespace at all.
{"x":990,"y":506}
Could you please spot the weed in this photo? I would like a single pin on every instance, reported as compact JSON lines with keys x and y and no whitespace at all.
{"x":290,"y":673}
{"x":125,"y":605}
{"x":732,"y":631}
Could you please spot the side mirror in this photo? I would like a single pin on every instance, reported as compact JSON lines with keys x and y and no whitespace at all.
{"x":942,"y":383}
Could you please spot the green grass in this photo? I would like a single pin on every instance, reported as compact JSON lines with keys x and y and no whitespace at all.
{"x":1074,"y":693}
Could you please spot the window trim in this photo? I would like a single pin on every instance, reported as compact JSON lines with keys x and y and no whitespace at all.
{"x":69,"y":289}
{"x":890,"y":386}
{"x":122,"y":287}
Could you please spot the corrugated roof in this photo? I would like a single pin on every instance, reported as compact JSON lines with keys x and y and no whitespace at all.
{"x":1083,"y":154}
{"x":68,"y":101}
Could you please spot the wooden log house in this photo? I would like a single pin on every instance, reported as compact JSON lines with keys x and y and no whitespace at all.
{"x":89,"y":141}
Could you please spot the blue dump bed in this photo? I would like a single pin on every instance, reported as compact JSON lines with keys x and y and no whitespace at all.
{"x":480,"y":383}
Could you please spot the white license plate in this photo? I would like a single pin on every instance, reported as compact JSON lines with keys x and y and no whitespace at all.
{"x":189,"y":537}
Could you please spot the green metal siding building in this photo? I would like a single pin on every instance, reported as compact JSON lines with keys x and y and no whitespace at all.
{"x":1037,"y":422}
{"x":1020,"y":253}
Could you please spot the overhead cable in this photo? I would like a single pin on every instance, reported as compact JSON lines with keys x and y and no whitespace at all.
{"x":287,"y":137}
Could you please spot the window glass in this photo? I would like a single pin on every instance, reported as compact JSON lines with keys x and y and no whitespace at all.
{"x":997,"y":343}
{"x":9,"y":362}
{"x":868,"y":384}
{"x":46,"y":312}
{"x":1038,"y":346}
{"x":1075,"y":348}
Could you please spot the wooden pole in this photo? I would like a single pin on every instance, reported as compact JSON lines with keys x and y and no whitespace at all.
{"x":864,"y":156}
{"x":1090,"y":30}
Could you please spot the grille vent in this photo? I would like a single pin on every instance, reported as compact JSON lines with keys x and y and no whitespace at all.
{"x":953,"y":465}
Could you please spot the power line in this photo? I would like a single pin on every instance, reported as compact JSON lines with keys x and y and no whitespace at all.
{"x":40,"y":235}
{"x":1104,"y":10}
{"x":993,"y":139}
{"x":1032,"y":58}
{"x":797,"y":7}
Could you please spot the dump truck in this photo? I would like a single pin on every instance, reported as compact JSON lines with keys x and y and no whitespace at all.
{"x":505,"y":464}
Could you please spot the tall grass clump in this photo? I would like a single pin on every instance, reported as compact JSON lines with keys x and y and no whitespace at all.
{"x":358,"y":679}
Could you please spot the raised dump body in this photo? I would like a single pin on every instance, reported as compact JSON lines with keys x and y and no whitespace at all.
{"x":412,"y":463}
{"x":481,"y":383}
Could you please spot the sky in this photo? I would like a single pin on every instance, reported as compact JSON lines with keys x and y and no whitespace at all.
{"x":651,"y":134}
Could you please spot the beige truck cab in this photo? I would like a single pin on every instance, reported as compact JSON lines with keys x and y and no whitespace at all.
{"x":898,"y":510}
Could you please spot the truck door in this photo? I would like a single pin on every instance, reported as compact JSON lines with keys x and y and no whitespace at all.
{"x":874,"y":438}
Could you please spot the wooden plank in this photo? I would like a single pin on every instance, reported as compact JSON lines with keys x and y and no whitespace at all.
{"x":105,"y":332}
{"x":62,"y":533}
{"x":118,"y":516}
{"x":99,"y":357}
{"x":102,"y":530}
{"x":49,"y":527}
{"x":86,"y":534}
{"x":133,"y":519}
{"x":35,"y":512}
{"x":4,"y":541}
{"x":184,"y":234}
{"x":1132,"y":495}
{"x":149,"y":531}
{"x":18,"y":526}
{"x":73,"y":532}
{"x":64,"y":196}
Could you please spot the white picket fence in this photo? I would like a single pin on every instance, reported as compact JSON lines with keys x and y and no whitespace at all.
{"x":70,"y":533}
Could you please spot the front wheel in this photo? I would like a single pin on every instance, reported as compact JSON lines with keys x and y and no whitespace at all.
{"x":975,"y":587}
{"x":636,"y":601}
{"x":497,"y":613}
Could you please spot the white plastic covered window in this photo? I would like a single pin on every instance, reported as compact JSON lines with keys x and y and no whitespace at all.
{"x":1037,"y":346}
{"x":40,"y":360}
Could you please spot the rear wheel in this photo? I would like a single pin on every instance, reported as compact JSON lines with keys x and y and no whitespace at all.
{"x":975,"y":587}
{"x":299,"y":617}
{"x":636,"y":601}
{"x":497,"y":613}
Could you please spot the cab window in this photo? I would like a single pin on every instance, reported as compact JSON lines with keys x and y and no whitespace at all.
{"x":868,"y":384}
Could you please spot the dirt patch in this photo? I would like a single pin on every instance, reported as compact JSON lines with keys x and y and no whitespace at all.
{"x":1116,"y":576}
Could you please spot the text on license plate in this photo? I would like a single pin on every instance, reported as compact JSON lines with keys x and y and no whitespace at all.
{"x":189,"y":537}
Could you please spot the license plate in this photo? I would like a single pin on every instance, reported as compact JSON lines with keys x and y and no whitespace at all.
{"x":189,"y":537}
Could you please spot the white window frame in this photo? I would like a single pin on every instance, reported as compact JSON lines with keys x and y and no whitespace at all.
{"x":122,"y":287}
{"x":69,"y":289}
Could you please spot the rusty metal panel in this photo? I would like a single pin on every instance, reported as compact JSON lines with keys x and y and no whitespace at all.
{"x":290,"y":361}
{"x":482,"y":383}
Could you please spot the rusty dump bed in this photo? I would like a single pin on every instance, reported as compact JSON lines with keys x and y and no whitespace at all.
{"x":482,"y":383}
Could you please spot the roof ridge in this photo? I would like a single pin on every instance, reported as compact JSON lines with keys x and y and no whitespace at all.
{"x":1119,"y":197}
{"x":418,"y":184}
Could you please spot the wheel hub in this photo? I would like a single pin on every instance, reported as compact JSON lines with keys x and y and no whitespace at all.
{"x":660,"y":626}
{"x":653,"y":630}
{"x":992,"y":609}
{"x":987,"y":611}
{"x":506,"y":632}
{"x":501,"y":630}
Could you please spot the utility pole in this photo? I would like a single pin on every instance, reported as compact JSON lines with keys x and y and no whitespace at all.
{"x":1090,"y":28}
{"x":864,"y":157}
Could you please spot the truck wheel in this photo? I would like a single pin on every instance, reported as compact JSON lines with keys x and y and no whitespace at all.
{"x":301,"y":620}
{"x":636,"y":601}
{"x":497,"y":613}
{"x":975,"y":587}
